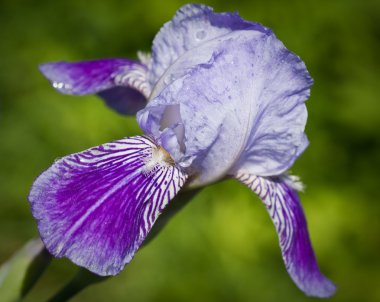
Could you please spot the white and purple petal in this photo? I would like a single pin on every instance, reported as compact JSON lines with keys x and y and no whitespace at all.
{"x":240,"y":101}
{"x":285,"y":210}
{"x":96,"y":207}
{"x":121,"y":83}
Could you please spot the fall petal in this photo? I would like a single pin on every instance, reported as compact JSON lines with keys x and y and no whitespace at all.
{"x":285,"y":210}
{"x":96,"y":207}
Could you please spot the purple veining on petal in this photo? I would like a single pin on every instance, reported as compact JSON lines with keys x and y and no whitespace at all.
{"x":246,"y":87}
{"x":286,"y":212}
{"x":192,"y":26}
{"x":96,"y":207}
{"x":122,"y":83}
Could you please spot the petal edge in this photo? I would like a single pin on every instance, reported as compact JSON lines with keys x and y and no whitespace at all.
{"x":286,"y":212}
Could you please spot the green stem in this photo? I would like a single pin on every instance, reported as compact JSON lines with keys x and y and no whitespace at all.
{"x":81,"y":280}
{"x":35,"y":270}
{"x":174,"y":206}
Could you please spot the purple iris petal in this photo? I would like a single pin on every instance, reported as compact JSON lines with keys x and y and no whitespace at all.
{"x":124,"y":100}
{"x":244,"y":87}
{"x":286,"y":212}
{"x":122,"y":83}
{"x":192,"y":26}
{"x":96,"y":207}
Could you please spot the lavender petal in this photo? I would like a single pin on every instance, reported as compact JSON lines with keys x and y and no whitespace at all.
{"x":286,"y":212}
{"x":241,"y":101}
{"x":121,"y":83}
{"x":96,"y":207}
{"x":192,"y":26}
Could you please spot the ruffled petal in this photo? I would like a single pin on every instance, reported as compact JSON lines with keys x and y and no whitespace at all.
{"x":121,"y":83}
{"x":276,"y":138}
{"x":285,"y":210}
{"x":96,"y":207}
{"x":240,"y":99}
{"x":192,"y":26}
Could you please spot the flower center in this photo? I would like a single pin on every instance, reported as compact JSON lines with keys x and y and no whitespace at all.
{"x":158,"y":159}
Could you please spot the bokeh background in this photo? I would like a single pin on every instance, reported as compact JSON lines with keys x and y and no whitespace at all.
{"x":222,"y":246}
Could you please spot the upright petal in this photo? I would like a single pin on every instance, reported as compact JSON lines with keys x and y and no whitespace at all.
{"x":284,"y":207}
{"x":122,"y":83}
{"x":276,"y":138}
{"x":96,"y":207}
{"x":192,"y":25}
{"x":241,"y":103}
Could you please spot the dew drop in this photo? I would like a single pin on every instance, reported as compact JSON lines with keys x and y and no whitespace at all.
{"x":58,"y":85}
{"x":200,"y":35}
{"x":61,"y":86}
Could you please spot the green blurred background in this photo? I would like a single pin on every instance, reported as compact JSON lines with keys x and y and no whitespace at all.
{"x":222,"y":246}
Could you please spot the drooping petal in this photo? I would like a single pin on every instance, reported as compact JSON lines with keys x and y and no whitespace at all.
{"x":122,"y":83}
{"x":192,"y":26}
{"x":285,"y":210}
{"x":124,"y":100}
{"x":96,"y":207}
{"x":241,"y":103}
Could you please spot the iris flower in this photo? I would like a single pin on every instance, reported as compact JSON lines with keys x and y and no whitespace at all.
{"x":219,"y":97}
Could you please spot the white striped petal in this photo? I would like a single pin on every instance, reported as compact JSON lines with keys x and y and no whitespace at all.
{"x":285,"y":210}
{"x":96,"y":207}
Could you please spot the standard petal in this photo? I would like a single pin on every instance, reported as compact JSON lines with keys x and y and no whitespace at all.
{"x":96,"y":207}
{"x":121,"y":83}
{"x":285,"y":209}
{"x":241,"y":103}
{"x":276,"y":138}
{"x":192,"y":26}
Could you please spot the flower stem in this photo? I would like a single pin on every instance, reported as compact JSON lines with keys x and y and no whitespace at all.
{"x":80,"y":281}
{"x":179,"y":202}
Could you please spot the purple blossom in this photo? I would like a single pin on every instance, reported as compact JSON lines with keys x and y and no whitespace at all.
{"x":219,"y":97}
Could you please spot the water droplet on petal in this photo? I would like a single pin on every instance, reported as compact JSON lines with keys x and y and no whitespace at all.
{"x":58,"y":85}
{"x":62,"y":86}
{"x":200,"y":35}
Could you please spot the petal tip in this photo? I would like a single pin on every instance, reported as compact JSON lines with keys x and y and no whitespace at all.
{"x":59,"y":78}
{"x":47,"y":69}
{"x":323,"y":288}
